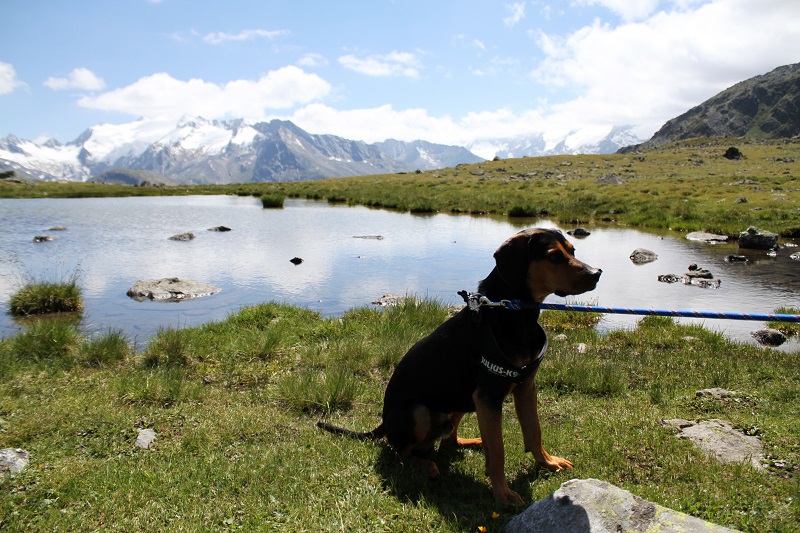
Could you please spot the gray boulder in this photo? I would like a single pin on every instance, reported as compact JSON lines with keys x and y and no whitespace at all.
{"x":170,"y":290}
{"x":757,"y":239}
{"x":593,"y":506}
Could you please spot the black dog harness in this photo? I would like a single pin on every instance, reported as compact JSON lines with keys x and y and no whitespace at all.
{"x":494,"y":362}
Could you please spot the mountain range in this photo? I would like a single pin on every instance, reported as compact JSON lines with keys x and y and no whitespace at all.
{"x":197,"y":151}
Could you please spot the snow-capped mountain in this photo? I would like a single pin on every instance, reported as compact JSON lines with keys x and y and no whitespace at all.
{"x":587,"y":141}
{"x":196,"y":150}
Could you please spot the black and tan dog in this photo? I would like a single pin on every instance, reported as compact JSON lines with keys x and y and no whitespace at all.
{"x":478,"y":357}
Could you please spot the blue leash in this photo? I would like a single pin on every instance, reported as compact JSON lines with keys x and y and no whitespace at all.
{"x":477,"y":300}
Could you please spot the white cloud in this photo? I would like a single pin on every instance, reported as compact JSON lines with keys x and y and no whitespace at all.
{"x":650,"y":71}
{"x":244,"y":35}
{"x":385,"y":122}
{"x":161,"y":95}
{"x":8,"y":78}
{"x":517,"y":13}
{"x":312,"y":60}
{"x":391,"y":64}
{"x":80,"y":78}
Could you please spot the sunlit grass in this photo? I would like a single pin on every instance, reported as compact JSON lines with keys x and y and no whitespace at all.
{"x":234,"y":405}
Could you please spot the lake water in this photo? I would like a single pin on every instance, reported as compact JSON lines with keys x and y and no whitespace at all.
{"x":110,"y":243}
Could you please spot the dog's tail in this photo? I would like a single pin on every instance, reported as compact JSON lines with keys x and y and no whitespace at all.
{"x":375,"y":434}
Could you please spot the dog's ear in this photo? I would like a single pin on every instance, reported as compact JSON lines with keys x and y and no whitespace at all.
{"x":512,"y":260}
{"x":514,"y":255}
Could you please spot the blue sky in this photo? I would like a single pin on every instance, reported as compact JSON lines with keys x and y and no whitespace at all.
{"x":443,"y":71}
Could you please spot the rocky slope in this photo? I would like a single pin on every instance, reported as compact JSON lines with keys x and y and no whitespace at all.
{"x":763,"y":107}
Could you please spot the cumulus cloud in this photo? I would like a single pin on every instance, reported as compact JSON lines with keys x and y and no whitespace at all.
{"x":80,"y":78}
{"x":517,"y":13}
{"x":391,"y":64}
{"x":244,"y":35}
{"x":161,"y":95}
{"x":649,"y":71}
{"x":384,"y":122}
{"x":8,"y":78}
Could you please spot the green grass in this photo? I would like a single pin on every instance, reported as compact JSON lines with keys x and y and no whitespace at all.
{"x":272,"y":200}
{"x":37,"y":298}
{"x":234,"y":405}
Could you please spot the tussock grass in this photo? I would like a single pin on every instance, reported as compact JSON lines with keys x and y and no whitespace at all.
{"x":234,"y":405}
{"x":272,"y":200}
{"x":38,"y":298}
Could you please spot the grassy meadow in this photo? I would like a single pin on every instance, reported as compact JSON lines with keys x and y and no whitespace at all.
{"x":234,"y":403}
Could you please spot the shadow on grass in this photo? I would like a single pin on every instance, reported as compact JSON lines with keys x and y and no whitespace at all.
{"x":463,"y":499}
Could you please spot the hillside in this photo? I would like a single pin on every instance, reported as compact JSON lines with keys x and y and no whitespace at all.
{"x":763,"y":107}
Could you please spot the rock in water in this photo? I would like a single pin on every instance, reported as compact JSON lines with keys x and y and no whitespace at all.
{"x":170,"y":290}
{"x":758,"y":239}
{"x":641,"y":256}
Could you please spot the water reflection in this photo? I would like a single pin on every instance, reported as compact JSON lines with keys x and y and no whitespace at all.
{"x":112,"y":242}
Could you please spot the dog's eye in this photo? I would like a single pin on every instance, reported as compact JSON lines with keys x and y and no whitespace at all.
{"x":556,"y":257}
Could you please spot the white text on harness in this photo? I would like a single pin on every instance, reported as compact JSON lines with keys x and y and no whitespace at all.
{"x":498,"y":370}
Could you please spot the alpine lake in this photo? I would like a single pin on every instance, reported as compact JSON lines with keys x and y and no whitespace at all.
{"x":351,"y":256}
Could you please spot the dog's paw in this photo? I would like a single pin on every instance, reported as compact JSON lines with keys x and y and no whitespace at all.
{"x":508,"y":497}
{"x":555,"y":464}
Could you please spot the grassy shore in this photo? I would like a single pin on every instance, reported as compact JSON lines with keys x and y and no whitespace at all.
{"x":234,"y":405}
{"x":686,"y":186}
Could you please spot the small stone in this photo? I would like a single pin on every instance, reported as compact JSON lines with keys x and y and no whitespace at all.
{"x":715,"y":393}
{"x":579,"y":232}
{"x":641,"y":256}
{"x":768,"y":337}
{"x":13,"y":460}
{"x":145,"y":438}
{"x":188,"y":236}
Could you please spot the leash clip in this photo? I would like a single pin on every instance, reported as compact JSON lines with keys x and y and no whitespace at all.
{"x":473,"y":300}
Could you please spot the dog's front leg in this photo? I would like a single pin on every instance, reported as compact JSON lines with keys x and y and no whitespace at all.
{"x":490,"y":423}
{"x":526,"y":405}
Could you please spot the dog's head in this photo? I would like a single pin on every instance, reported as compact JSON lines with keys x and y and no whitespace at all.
{"x":541,"y":262}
